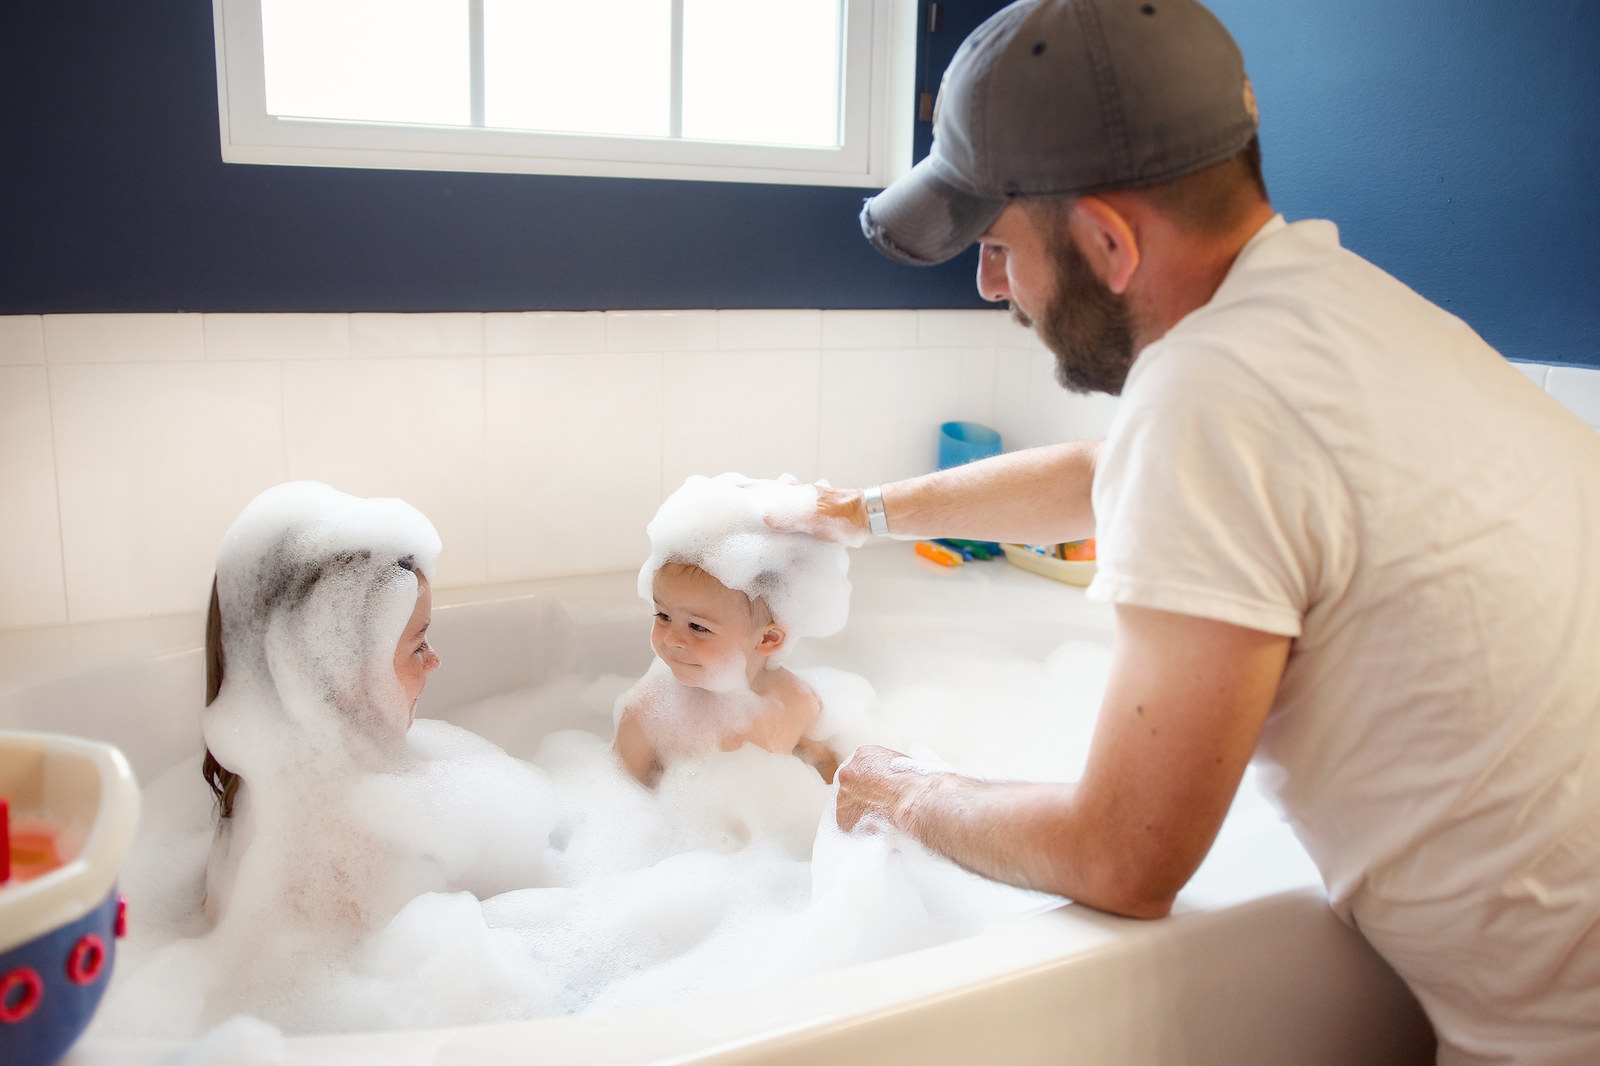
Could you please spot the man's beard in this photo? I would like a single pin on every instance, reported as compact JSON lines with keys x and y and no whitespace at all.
{"x":1085,"y":324}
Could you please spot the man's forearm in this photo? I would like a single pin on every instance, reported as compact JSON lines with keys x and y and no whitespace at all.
{"x":1027,"y":834}
{"x":1184,"y":707}
{"x":1034,"y":496}
{"x":991,"y":829}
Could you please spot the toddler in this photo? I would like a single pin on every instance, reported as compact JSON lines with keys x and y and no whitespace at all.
{"x":731,"y":596}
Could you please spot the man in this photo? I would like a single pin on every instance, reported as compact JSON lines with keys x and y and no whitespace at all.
{"x":1342,"y":535}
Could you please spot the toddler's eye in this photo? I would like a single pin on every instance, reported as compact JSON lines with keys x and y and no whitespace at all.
{"x":661,"y":616}
{"x":698,"y":628}
{"x":422,"y":648}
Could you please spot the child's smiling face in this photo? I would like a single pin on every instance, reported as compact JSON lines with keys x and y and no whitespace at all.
{"x":706,"y":633}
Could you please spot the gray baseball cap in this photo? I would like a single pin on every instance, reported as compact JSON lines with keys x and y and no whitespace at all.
{"x":1064,"y":98}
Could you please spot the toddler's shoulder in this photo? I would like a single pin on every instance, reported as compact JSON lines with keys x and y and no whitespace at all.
{"x":799,"y":698}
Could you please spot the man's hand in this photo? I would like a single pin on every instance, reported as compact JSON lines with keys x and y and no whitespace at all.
{"x":879,"y":783}
{"x":840,"y":517}
{"x":1184,"y":706}
{"x":1032,"y":496}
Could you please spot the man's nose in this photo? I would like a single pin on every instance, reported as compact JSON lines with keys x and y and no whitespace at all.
{"x":992,"y":277}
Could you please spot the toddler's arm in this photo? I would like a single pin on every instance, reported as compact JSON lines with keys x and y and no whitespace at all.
{"x":819,"y":756}
{"x":635,"y":749}
{"x":801,"y":709}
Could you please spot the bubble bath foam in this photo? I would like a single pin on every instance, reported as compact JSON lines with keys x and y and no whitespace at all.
{"x":984,"y":667}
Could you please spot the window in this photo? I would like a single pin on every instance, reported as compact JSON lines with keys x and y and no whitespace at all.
{"x":791,"y":91}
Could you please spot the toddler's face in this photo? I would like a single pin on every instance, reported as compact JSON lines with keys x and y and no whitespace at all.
{"x":414,"y":660}
{"x":704,"y":630}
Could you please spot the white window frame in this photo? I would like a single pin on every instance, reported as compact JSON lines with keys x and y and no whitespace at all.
{"x":879,"y":76}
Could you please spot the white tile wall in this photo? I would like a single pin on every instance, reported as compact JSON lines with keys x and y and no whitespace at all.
{"x":21,"y":340}
{"x":374,"y":336}
{"x":754,"y":412}
{"x":539,"y":444}
{"x":1533,"y":372}
{"x":958,"y":329}
{"x":574,"y":455}
{"x":155,"y":461}
{"x":34,"y":589}
{"x":869,"y":329}
{"x":537,"y":332}
{"x":753,"y":330}
{"x":881,"y":410}
{"x":123,"y":338}
{"x":1577,"y":388}
{"x":661,"y":331}
{"x":276,"y":336}
{"x":1031,"y":410}
{"x":412,"y":428}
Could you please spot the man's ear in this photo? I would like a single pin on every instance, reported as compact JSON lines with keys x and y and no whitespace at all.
{"x":773,"y":637}
{"x":1106,"y":240}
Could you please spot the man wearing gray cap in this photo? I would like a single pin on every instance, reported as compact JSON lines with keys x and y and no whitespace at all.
{"x":1342,"y":535}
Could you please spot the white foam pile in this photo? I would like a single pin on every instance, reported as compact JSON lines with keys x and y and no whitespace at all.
{"x":731,"y":875}
{"x":717,"y":524}
{"x":376,"y":879}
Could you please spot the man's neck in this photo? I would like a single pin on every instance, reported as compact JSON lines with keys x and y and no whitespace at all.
{"x":1180,"y":272}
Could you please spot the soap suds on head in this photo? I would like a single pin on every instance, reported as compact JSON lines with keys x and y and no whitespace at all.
{"x":314,"y":588}
{"x":717,"y":524}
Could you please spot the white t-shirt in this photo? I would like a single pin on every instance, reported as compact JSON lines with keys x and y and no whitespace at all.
{"x":1319,"y":452}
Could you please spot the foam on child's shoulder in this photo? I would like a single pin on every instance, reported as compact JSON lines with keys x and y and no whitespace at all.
{"x":718,"y":525}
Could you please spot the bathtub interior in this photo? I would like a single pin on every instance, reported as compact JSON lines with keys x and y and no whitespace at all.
{"x":915,"y":632}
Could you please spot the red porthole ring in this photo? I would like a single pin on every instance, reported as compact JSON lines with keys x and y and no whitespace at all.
{"x":15,"y":1008}
{"x":87,"y":960}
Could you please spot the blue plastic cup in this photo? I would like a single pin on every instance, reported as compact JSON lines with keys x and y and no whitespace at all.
{"x":965,"y":442}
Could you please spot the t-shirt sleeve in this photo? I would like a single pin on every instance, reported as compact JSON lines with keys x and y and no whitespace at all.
{"x":1212,"y":497}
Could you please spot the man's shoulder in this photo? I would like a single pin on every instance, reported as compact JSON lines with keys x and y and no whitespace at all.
{"x":1302,"y":318}
{"x":1298,"y":281}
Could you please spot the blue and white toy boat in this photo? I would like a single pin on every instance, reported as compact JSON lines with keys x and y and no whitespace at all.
{"x":70,"y":810}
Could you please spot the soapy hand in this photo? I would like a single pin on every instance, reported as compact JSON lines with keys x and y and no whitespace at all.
{"x":840,"y":517}
{"x":879,"y":784}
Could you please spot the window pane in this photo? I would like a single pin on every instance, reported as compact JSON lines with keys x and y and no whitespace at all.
{"x":377,"y":60}
{"x":581,"y":66}
{"x":761,"y":71}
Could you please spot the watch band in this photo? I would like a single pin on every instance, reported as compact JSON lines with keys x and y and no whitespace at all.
{"x":877,"y":521}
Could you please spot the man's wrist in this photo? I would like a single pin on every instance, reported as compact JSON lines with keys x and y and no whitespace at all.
{"x":877,"y":520}
{"x":912,"y":807}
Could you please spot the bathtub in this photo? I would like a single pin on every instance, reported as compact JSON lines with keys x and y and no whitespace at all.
{"x":1252,"y":967}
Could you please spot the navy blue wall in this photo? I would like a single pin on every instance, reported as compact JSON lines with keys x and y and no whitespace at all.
{"x":1456,"y":142}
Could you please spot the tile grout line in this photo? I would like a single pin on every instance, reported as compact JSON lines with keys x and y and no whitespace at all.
{"x":661,"y":428}
{"x":483,"y":399}
{"x":283,"y":416}
{"x":822,"y":355}
{"x":55,"y":463}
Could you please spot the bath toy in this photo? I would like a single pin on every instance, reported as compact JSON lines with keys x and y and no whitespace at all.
{"x":1078,"y":551}
{"x":938,"y":553}
{"x":67,"y":819}
{"x":982,"y":549}
{"x":1043,"y":561}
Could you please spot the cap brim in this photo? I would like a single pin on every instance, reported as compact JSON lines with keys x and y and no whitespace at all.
{"x":923,"y":220}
